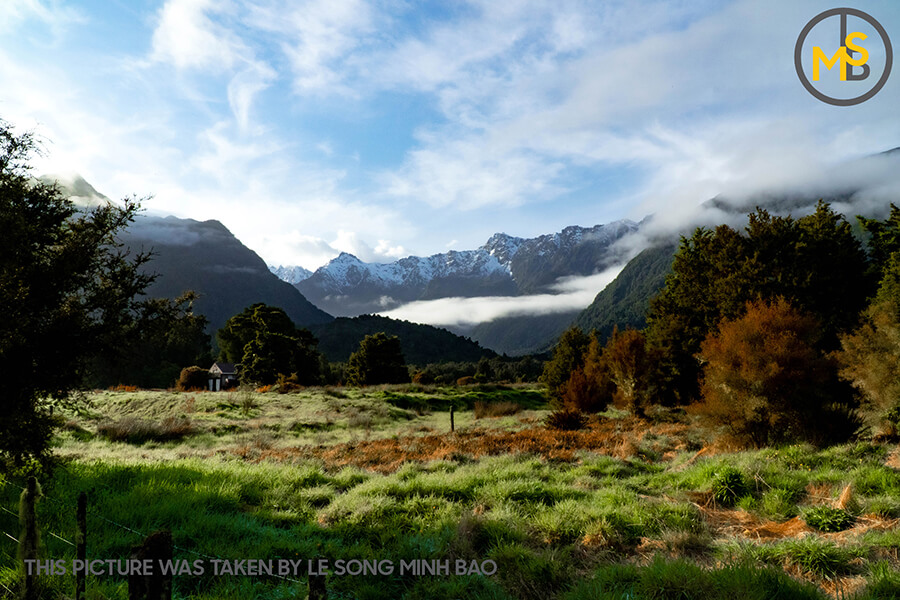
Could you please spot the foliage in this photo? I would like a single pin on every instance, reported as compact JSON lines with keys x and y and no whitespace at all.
{"x":379,"y":359}
{"x":870,"y":358}
{"x":242,"y":328}
{"x":589,"y":387}
{"x":165,"y":336}
{"x":566,"y":419}
{"x":828,"y":519}
{"x":266,"y":343}
{"x":568,"y":355}
{"x":68,"y":290}
{"x":716,"y":272}
{"x":630,"y":365}
{"x":421,"y":344}
{"x":193,"y":378}
{"x":870,"y":355}
{"x":503,"y":369}
{"x":728,"y":486}
{"x":884,"y":238}
{"x":766,"y":381}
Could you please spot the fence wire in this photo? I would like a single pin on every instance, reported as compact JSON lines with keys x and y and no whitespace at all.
{"x":125,"y":528}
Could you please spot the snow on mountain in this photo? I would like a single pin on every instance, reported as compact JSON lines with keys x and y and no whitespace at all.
{"x":292,"y":275}
{"x":504,"y":266}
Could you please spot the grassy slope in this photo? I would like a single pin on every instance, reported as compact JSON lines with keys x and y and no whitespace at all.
{"x":571,"y":526}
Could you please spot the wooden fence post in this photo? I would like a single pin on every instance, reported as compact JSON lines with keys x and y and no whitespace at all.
{"x":317,"y":589}
{"x":29,"y":539}
{"x":452,"y":425}
{"x":81,"y":545}
{"x":158,"y":549}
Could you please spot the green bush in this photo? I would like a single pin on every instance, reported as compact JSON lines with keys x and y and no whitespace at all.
{"x":728,"y":486}
{"x":828,"y":519}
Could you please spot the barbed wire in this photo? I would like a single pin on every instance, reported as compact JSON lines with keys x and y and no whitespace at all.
{"x":10,"y":537}
{"x":4,"y":509}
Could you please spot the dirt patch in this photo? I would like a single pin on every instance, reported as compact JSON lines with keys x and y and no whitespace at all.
{"x":893,"y":459}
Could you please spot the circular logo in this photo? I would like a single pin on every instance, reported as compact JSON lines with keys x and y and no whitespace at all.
{"x":843,"y":56}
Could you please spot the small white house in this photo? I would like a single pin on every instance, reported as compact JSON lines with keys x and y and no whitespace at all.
{"x":222,"y":376}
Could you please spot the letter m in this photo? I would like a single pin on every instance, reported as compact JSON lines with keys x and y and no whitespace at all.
{"x":819,"y":55}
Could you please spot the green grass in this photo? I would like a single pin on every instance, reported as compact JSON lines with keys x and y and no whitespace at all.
{"x":579,"y":529}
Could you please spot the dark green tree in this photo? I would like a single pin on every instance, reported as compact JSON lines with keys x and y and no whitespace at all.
{"x":68,"y":289}
{"x":266,"y":343}
{"x":165,"y":337}
{"x":884,"y":237}
{"x":814,"y":262}
{"x":241,"y":329}
{"x":271,"y":354}
{"x":379,"y":359}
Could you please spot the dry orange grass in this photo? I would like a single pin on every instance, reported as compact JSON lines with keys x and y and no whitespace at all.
{"x":386,"y":455}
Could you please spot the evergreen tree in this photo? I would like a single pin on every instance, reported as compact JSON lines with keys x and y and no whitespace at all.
{"x":814,"y":262}
{"x":266,"y":343}
{"x":379,"y":359}
{"x":68,"y":290}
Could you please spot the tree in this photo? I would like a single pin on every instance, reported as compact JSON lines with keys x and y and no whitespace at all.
{"x":379,"y":359}
{"x":165,"y":336}
{"x":630,"y":366}
{"x":68,"y":289}
{"x":267,"y":344}
{"x":814,"y":262}
{"x":568,"y":356}
{"x":766,"y":380}
{"x":242,"y":328}
{"x":589,"y":387}
{"x":870,"y":355}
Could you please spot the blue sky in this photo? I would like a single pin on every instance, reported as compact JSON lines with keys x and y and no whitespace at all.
{"x":393,"y":128}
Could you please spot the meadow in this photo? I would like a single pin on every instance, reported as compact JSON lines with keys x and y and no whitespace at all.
{"x":657,"y":507}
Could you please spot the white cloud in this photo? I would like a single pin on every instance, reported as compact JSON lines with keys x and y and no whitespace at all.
{"x":244,"y":86}
{"x":188,"y":36}
{"x":315,"y":37}
{"x":57,"y":15}
{"x":575,"y":294}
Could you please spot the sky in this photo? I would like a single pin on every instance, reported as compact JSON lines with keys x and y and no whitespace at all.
{"x":390,"y":128}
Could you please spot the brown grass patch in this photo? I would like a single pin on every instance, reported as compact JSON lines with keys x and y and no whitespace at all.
{"x":496,"y":409}
{"x":386,"y":455}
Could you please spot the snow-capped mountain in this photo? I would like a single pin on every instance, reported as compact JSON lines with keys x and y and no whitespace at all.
{"x":503,"y":266}
{"x":291,"y":275}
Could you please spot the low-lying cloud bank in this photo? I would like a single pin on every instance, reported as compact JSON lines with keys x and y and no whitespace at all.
{"x":574,"y":293}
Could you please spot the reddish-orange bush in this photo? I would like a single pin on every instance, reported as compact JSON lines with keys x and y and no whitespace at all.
{"x":765,"y":378}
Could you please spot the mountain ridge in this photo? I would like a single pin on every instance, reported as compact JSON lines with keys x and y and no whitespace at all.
{"x":505,"y":265}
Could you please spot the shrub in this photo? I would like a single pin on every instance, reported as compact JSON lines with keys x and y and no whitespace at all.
{"x":828,"y":519}
{"x":566,"y":420}
{"x":766,"y":380}
{"x":138,"y":431}
{"x":817,"y":556}
{"x":192,"y":379}
{"x":728,"y":486}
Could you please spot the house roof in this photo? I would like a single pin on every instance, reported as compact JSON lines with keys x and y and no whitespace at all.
{"x":222,"y":368}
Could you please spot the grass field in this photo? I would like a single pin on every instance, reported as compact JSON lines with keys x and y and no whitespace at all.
{"x":627,"y":508}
